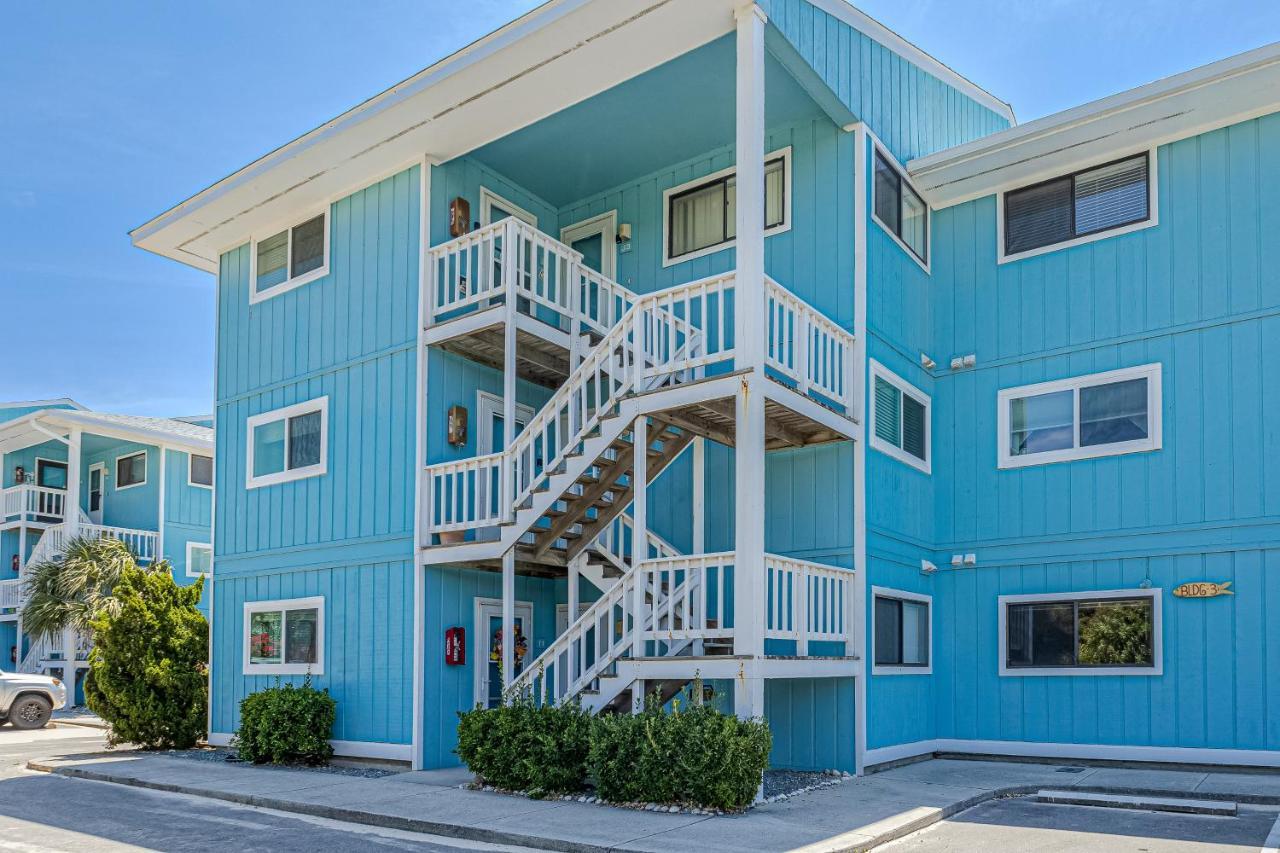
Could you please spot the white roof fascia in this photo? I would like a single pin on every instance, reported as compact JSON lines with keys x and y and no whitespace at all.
{"x":1207,"y":98}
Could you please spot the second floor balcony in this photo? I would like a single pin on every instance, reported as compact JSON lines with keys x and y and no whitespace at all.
{"x":28,"y":503}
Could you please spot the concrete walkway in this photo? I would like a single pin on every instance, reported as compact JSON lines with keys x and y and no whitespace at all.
{"x":855,"y":815}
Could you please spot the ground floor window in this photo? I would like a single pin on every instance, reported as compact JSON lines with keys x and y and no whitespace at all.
{"x":284,"y":637}
{"x":901,"y":634}
{"x":1116,"y":632}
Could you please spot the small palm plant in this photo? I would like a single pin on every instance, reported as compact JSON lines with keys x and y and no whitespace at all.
{"x":70,"y":593}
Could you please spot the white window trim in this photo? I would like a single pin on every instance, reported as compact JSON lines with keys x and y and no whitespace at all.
{"x":1153,"y":209}
{"x":190,"y":462}
{"x":488,"y":405}
{"x":925,"y":465}
{"x":146,"y":470}
{"x":902,"y":594}
{"x":320,"y":404}
{"x":193,"y":546}
{"x":1157,"y":634}
{"x":35,"y":470}
{"x":928,"y":209}
{"x":251,"y":607}
{"x":787,"y":194}
{"x":297,"y":281}
{"x":489,"y":198}
{"x":1151,"y":372}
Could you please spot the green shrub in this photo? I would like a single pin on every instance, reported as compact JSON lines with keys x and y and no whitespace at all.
{"x":693,"y":754}
{"x":148,"y":670}
{"x":286,"y":724}
{"x":523,"y":747}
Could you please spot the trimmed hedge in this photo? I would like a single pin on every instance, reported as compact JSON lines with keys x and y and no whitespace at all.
{"x":286,"y":724}
{"x":694,"y":754}
{"x":522,"y":747}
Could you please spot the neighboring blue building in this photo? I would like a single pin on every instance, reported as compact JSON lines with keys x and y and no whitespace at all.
{"x":631,"y":273}
{"x":145,"y":481}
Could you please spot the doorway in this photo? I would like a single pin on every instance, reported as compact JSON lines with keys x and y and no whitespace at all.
{"x":488,"y":648}
{"x":97,"y":490}
{"x":596,"y":239}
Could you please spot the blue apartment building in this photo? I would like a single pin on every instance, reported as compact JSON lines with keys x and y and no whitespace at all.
{"x":68,"y":472}
{"x":638,"y":343}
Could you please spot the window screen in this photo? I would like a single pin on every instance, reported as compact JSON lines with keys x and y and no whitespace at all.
{"x":901,"y":632}
{"x":293,"y":252}
{"x":131,"y":470}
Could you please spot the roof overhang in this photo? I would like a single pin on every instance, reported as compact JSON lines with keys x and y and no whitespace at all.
{"x":557,"y":55}
{"x":1223,"y":93}
{"x":49,"y":424}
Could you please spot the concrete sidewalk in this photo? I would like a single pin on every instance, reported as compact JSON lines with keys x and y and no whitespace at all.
{"x":858,"y":814}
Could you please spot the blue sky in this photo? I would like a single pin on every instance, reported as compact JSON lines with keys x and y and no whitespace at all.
{"x":115,"y":111}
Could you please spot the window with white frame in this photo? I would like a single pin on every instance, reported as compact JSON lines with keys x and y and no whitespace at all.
{"x":284,"y":637}
{"x":199,"y":559}
{"x":131,"y":470}
{"x":1075,"y":207}
{"x":700,"y":216}
{"x":899,"y":418}
{"x":901,"y":635}
{"x":1113,"y":632}
{"x":290,"y":258}
{"x":899,"y":209}
{"x":200,"y":470}
{"x":1103,"y":414}
{"x":288,"y":444}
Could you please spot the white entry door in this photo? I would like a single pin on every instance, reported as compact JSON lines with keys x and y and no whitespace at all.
{"x":97,"y":491}
{"x":488,"y":647}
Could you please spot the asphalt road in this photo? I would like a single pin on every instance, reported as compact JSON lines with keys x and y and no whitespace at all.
{"x":41,"y":813}
{"x":1025,"y":826}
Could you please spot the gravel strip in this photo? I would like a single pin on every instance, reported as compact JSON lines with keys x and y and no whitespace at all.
{"x":229,"y":756}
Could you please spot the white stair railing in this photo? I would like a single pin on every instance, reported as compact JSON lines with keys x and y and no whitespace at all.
{"x":806,"y":347}
{"x":29,"y":502}
{"x":41,"y":648}
{"x":12,"y":596}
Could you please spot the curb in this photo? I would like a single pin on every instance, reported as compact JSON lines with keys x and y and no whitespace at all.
{"x":493,"y":836}
{"x":84,"y":724}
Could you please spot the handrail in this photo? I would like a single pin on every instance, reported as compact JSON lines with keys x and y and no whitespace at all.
{"x":804,"y":345}
{"x":29,"y":500}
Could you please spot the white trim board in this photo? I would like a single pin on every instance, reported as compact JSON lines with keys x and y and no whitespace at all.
{"x":1092,"y":751}
{"x":344,"y":748}
{"x":191,"y":546}
{"x":286,"y":227}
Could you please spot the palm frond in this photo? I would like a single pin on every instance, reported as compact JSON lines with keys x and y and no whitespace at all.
{"x":68,"y":593}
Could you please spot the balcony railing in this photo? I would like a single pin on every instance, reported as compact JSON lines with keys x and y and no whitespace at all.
{"x":29,"y":502}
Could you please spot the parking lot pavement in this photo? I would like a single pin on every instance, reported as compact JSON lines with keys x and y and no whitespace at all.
{"x":1022,"y":825}
{"x":18,"y":747}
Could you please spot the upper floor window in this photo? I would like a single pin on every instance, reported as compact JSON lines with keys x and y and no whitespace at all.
{"x":900,"y":632}
{"x":900,"y":418}
{"x":288,"y":444}
{"x":1116,"y":632}
{"x":899,"y":209}
{"x":131,"y":470}
{"x":200,"y":470}
{"x":290,"y":258}
{"x":700,"y":215}
{"x":199,"y":559}
{"x":1075,"y":207}
{"x":51,"y":474}
{"x":1102,"y":414}
{"x":284,"y":637}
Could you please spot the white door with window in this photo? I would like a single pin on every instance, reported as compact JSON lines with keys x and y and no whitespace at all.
{"x":488,"y":647}
{"x":97,"y":491}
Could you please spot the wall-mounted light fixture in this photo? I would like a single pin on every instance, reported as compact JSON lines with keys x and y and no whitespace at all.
{"x":962,"y":361}
{"x":623,"y":237}
{"x":927,"y":568}
{"x":926,"y":362}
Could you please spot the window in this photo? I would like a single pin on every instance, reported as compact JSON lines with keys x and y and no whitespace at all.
{"x":1082,"y":418}
{"x":900,"y":210}
{"x":50,"y":474}
{"x":290,"y":258}
{"x":900,"y":418}
{"x":288,"y":444}
{"x":700,"y":215}
{"x":1068,"y":209}
{"x":131,"y":470}
{"x":901,"y":637}
{"x":284,"y":637}
{"x":199,"y":559}
{"x":1117,"y":632}
{"x":200,"y":470}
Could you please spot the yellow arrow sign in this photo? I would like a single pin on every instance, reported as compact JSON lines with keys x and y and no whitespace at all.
{"x":1203,"y":589}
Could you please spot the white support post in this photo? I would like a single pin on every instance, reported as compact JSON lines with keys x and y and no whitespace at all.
{"x":422,"y":504}
{"x":637,"y":696}
{"x":859,"y":626}
{"x":639,"y":529}
{"x":575,"y":313}
{"x":510,"y":262}
{"x":508,"y":618}
{"x":575,"y":658}
{"x":71,"y":507}
{"x":699,"y":495}
{"x":749,"y":313}
{"x":159,"y":554}
{"x":749,"y":568}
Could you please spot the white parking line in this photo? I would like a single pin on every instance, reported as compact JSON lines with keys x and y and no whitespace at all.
{"x":1272,"y":844}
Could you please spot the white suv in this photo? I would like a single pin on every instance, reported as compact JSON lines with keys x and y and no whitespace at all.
{"x":28,"y":701}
